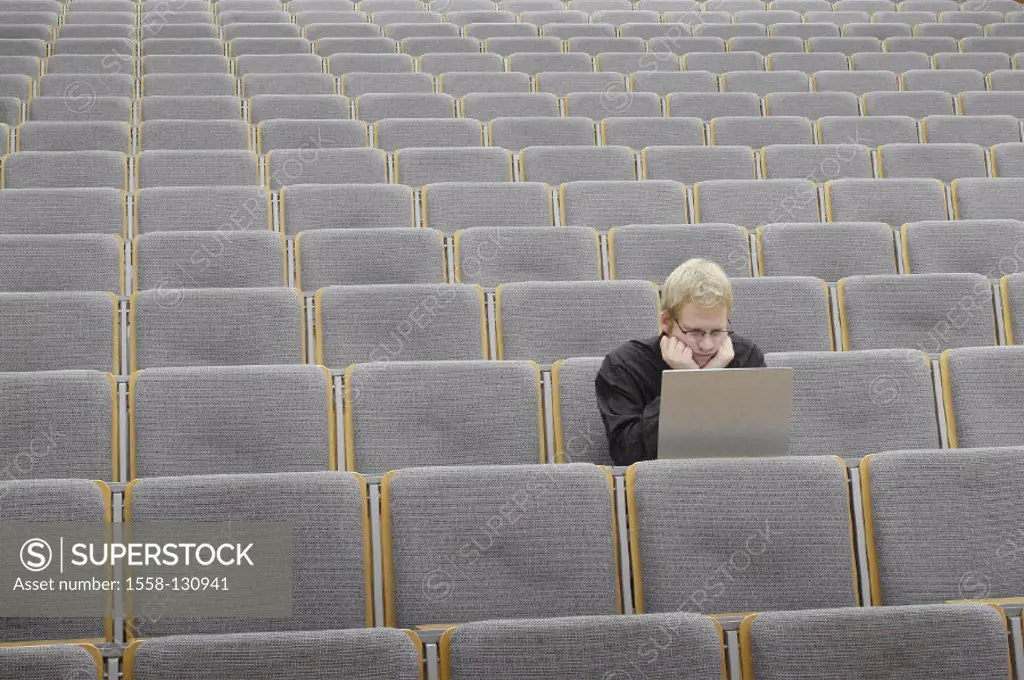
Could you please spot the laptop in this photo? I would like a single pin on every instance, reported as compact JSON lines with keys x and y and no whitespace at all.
{"x":725,"y":413}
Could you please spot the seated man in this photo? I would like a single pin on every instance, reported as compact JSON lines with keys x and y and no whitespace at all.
{"x":696,"y":303}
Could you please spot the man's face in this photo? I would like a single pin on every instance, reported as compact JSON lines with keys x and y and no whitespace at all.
{"x":695,"y":327}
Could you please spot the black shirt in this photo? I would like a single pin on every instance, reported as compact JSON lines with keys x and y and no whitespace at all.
{"x":628,"y":389}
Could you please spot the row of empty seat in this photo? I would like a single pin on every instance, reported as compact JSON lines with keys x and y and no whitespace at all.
{"x":449,"y":206}
{"x":968,"y":641}
{"x":402,"y":413}
{"x":566,"y":166}
{"x":491,"y":256}
{"x":550,"y":547}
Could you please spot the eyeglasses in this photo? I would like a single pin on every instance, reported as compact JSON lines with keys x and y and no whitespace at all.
{"x":698,"y":335}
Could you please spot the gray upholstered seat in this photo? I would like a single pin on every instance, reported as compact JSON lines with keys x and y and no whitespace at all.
{"x":667,"y":82}
{"x":66,"y":170}
{"x":36,"y":263}
{"x":325,"y":166}
{"x":55,"y":500}
{"x":325,"y":512}
{"x":231,"y":420}
{"x":241,"y":30}
{"x":828,"y":252}
{"x":558,"y":558}
{"x":240,"y":47}
{"x":927,"y":312}
{"x":1008,"y":159}
{"x":76,"y":661}
{"x":63,"y":211}
{"x":940,"y":524}
{"x":592,"y":646}
{"x":651,"y":252}
{"x":914,"y":104}
{"x":983,"y":392}
{"x":191,"y":107}
{"x":518,"y":132}
{"x":394,"y":133}
{"x":536,"y":317}
{"x":355,"y":84}
{"x":461,"y":83}
{"x":189,"y":84}
{"x":962,"y":246}
{"x":758,"y":131}
{"x":817,"y":163}
{"x":769,"y":533}
{"x":59,"y":425}
{"x":490,"y":105}
{"x":377,"y":106}
{"x":892,"y":201}
{"x":456,"y":205}
{"x":255,"y":84}
{"x":615,"y":203}
{"x":423,"y":413}
{"x":783,"y":313}
{"x":338,"y":257}
{"x":761,"y":83}
{"x":342,"y":63}
{"x":439,"y":63}
{"x":991,"y":103}
{"x":866,"y":130}
{"x":419,"y":166}
{"x":108,"y":82}
{"x":202,"y":208}
{"x":944,"y":162}
{"x":307,"y":107}
{"x":692,"y":164}
{"x":232,"y":167}
{"x":963,"y":641}
{"x":81,"y":108}
{"x":751,"y":203}
{"x":180,"y":46}
{"x":562,"y":83}
{"x":278,"y":63}
{"x":181,"y":64}
{"x":982,"y":130}
{"x":953,"y":81}
{"x":631,"y":62}
{"x":808,"y":63}
{"x":851,"y":404}
{"x":178,"y":326}
{"x":209,"y":259}
{"x":579,"y":431}
{"x":601,"y":105}
{"x":194,"y":135}
{"x":708,"y":105}
{"x":748,"y":64}
{"x":855,"y":82}
{"x":1012,"y":293}
{"x":638,"y":133}
{"x":812,"y":104}
{"x":556,"y":165}
{"x":375,"y":323}
{"x":310,"y":134}
{"x":490,"y":256}
{"x":344,"y":206}
{"x":977,"y":198}
{"x":373,"y":654}
{"x":58,"y":330}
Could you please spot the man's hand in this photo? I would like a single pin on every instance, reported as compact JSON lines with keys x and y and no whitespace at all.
{"x":676,"y":354}
{"x":723,"y":357}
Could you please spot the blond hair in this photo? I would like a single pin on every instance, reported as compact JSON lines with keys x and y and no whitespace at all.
{"x":701,"y":282}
